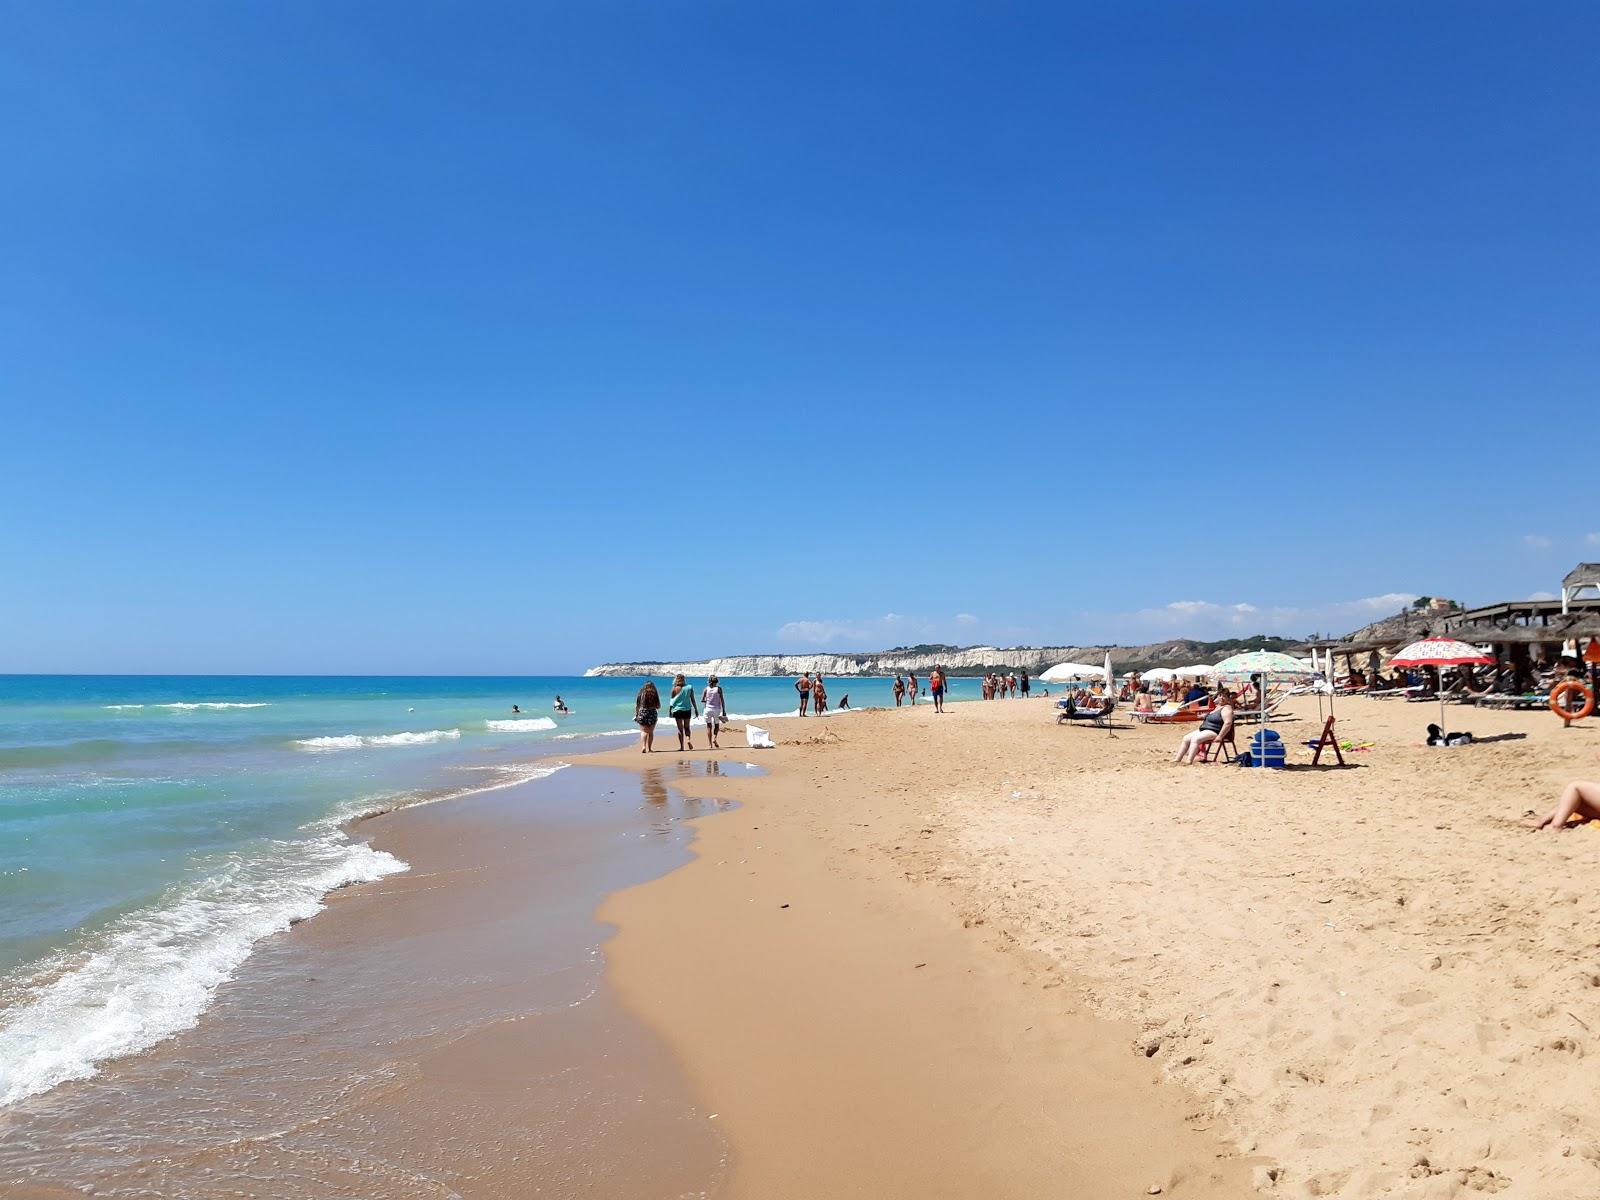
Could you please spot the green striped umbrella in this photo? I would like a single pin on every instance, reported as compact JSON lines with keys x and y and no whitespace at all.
{"x":1268,"y":664}
{"x":1263,"y":663}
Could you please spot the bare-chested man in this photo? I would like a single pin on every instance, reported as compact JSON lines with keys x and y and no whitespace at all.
{"x":803,"y":686}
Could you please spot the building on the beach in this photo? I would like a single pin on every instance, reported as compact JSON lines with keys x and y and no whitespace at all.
{"x":1521,"y":632}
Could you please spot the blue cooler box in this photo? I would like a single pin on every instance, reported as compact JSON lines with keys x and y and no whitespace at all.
{"x":1267,"y":749}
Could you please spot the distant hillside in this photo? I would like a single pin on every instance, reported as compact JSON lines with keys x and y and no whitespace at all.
{"x":957,"y":660}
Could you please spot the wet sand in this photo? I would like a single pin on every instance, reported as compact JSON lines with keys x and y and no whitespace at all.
{"x":855,"y":1036}
{"x":444,"y":1032}
{"x":1374,"y":981}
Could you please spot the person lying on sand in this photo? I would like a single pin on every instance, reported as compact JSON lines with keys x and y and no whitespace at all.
{"x":1580,"y":798}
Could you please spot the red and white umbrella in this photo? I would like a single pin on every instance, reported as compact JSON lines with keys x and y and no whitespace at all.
{"x":1441,"y":652}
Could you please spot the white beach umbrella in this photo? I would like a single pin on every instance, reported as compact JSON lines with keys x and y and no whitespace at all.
{"x":1160,"y":674}
{"x":1062,"y":672}
{"x":1194,"y":671}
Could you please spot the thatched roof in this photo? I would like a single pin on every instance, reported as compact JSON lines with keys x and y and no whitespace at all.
{"x":1583,"y":573}
{"x":1404,"y":627}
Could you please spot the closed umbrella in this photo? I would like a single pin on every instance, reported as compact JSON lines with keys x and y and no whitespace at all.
{"x":1440,"y":652}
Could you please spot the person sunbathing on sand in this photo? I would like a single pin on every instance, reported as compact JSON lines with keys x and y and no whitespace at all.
{"x":1580,"y":798}
{"x":1218,"y":724}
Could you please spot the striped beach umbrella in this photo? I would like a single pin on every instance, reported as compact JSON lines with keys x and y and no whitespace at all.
{"x":1268,"y":664}
{"x":1440,"y":652}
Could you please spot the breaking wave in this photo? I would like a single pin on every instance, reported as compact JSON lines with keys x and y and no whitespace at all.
{"x":356,"y":741}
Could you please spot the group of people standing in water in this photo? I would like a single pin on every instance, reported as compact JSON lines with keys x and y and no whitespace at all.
{"x":683,"y":707}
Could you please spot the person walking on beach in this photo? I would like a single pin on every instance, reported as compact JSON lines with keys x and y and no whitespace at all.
{"x":899,"y":691}
{"x":936,"y":682}
{"x":646,"y":711}
{"x":681,"y":705}
{"x":803,"y":686}
{"x":911,"y":686}
{"x":819,"y":696}
{"x":716,"y":710}
{"x":1024,"y":684}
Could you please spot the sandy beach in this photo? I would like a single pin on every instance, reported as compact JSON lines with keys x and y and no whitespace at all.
{"x":969,"y":954}
{"x":1360,"y":982}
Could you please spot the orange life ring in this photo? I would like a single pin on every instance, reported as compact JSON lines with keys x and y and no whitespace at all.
{"x":1562,"y":690}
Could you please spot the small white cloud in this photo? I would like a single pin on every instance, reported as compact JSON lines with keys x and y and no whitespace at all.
{"x":1244,"y":608}
{"x":1189,"y":606}
{"x":966,"y":619}
{"x":1544,"y":596}
{"x":1592,"y":538}
{"x":818,"y":633}
{"x":1536,"y":541}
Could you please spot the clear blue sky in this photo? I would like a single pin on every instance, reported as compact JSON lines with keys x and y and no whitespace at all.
{"x":481,"y":337}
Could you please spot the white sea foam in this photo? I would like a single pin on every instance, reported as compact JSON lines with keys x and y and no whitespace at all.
{"x":154,"y":971}
{"x":187,"y":706}
{"x":523,"y":725}
{"x":356,"y":741}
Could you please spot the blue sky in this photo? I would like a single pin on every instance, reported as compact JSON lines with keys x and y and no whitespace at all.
{"x":479,"y":337}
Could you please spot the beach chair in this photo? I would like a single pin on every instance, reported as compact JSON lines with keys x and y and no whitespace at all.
{"x":1097,"y":717}
{"x":1171,"y":714}
{"x":1223,"y":748}
{"x":1253,"y":715}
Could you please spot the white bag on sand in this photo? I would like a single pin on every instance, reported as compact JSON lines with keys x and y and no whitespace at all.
{"x":757,"y":737}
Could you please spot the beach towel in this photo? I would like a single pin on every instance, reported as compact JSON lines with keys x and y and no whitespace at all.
{"x":757,"y":738}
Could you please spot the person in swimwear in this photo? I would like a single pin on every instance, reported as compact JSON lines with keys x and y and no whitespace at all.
{"x":1582,"y":799}
{"x":819,"y":695}
{"x":911,"y":685}
{"x":899,"y":691}
{"x":936,"y":682}
{"x":803,"y":686}
{"x":1217,"y":724}
{"x":515,"y":711}
{"x":560,"y":706}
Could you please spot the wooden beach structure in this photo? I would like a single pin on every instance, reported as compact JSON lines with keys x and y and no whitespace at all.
{"x":1519,"y":632}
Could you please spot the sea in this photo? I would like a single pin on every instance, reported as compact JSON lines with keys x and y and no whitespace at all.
{"x":154,"y":830}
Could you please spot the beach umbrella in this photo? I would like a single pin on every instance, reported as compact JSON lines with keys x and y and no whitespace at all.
{"x":1159,"y":674}
{"x":1440,"y":652}
{"x":1197,"y":671}
{"x":1062,"y":672}
{"x":1268,"y":664}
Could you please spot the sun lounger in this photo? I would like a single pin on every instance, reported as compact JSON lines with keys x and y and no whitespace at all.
{"x":1171,"y":714}
{"x":1531,"y":700}
{"x":1096,"y":716}
{"x":1254,"y":714}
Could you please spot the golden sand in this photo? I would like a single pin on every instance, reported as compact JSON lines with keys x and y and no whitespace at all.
{"x":1372,"y":981}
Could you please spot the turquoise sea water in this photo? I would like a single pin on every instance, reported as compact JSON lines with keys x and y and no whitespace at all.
{"x":153,"y":829}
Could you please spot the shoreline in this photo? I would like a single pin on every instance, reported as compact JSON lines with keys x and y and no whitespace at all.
{"x":958,"y":954}
{"x":856,"y":1039}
